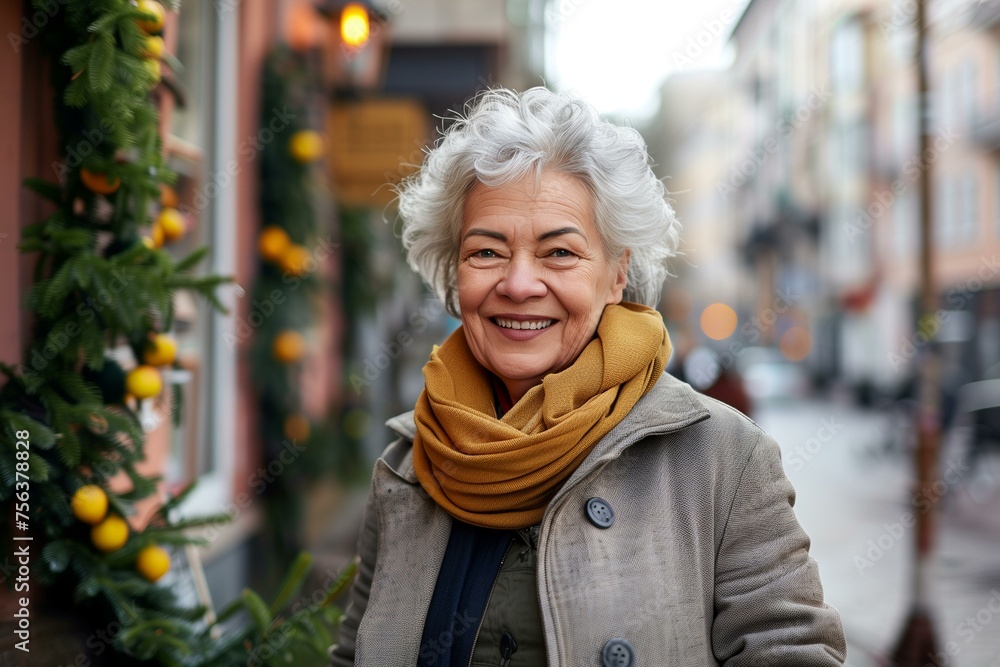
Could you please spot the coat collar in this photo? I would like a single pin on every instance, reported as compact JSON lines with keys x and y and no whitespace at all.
{"x":669,"y":406}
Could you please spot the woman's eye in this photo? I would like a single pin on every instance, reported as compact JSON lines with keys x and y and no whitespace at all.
{"x":561,"y":252}
{"x":485,"y":253}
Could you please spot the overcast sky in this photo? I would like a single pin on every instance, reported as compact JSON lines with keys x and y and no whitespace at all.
{"x":617,"y":52}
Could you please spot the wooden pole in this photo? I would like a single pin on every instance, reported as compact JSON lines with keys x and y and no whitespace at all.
{"x":916,"y":646}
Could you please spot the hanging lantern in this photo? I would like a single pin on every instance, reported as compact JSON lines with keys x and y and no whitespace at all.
{"x":355,"y":28}
{"x":356,"y":46}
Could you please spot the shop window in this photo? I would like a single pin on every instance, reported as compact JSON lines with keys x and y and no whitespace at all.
{"x":191,"y":113}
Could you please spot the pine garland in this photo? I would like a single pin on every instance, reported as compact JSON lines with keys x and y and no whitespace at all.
{"x":101,"y":280}
{"x":289,"y":243}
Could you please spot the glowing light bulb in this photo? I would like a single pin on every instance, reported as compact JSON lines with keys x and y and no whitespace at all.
{"x":354,"y":27}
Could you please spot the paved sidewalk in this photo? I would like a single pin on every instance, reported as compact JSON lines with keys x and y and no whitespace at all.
{"x":855,"y":503}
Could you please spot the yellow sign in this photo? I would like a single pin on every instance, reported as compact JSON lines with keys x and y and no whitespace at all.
{"x":374,"y":144}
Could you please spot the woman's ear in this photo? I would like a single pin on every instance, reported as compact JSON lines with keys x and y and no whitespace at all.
{"x":621,"y":276}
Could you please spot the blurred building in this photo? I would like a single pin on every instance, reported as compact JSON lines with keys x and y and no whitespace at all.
{"x":693,"y":154}
{"x":444,"y":51}
{"x":816,"y":184}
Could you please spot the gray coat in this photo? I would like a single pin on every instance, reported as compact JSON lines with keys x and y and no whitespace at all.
{"x":704,"y":564}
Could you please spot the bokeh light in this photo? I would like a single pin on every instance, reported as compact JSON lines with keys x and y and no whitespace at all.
{"x":354,"y":28}
{"x":718,"y":321}
{"x":796,"y":343}
{"x":303,"y":26}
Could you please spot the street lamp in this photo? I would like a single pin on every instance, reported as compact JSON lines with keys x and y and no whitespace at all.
{"x":355,"y":48}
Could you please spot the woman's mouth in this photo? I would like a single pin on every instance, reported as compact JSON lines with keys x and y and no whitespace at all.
{"x":518,"y":325}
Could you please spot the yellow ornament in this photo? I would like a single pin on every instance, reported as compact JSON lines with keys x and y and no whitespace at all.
{"x":154,"y":23}
{"x":295,"y":260}
{"x":143,"y":382}
{"x":161,"y":350}
{"x":153,"y":47}
{"x":110,"y":534}
{"x":89,"y":504}
{"x":171,"y":221}
{"x":288,"y":347}
{"x":152,"y":562}
{"x":306,"y":146}
{"x":272,"y":243}
{"x":154,"y":68}
{"x":156,"y":235}
{"x":98,"y":182}
{"x":297,"y":427}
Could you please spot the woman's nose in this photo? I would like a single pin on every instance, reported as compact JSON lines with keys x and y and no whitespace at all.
{"x":522,"y":280}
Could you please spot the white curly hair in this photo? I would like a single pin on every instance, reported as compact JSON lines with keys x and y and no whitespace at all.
{"x":504,"y":136}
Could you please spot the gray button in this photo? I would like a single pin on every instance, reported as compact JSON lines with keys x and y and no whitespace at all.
{"x":600,"y":513}
{"x":618,"y":652}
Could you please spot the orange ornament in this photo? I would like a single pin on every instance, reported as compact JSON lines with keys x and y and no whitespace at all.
{"x":306,"y":146}
{"x":144,"y":382}
{"x":288,"y":347}
{"x":297,"y":427}
{"x":155,"y":236}
{"x":168,"y":196}
{"x":90,"y":504}
{"x":153,"y":48}
{"x":273,"y":243}
{"x":160,"y":350}
{"x":295,"y":260}
{"x":153,"y":23}
{"x":154,"y":68}
{"x":153,"y":562}
{"x":98,"y":182}
{"x":171,"y":222}
{"x":110,"y":534}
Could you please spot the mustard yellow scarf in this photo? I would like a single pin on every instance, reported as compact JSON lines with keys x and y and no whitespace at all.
{"x":501,"y":473}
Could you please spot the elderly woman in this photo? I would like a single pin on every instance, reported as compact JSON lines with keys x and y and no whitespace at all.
{"x":555,"y":498}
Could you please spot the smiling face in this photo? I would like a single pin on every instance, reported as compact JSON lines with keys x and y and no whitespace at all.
{"x":533,"y":277}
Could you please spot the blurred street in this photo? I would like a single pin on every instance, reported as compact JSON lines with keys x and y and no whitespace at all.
{"x":853,"y":499}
